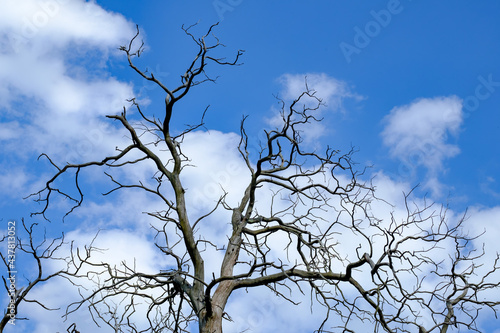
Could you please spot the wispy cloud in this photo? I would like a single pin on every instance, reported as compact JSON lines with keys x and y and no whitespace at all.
{"x":329,"y":90}
{"x":486,"y":187}
{"x":417,"y":134}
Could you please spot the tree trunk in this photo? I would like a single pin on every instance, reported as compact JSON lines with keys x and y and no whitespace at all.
{"x":212,"y":323}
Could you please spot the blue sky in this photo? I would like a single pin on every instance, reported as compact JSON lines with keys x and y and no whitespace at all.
{"x":414,"y":85}
{"x":424,"y":51}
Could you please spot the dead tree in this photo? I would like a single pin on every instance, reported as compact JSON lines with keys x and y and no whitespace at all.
{"x":35,"y":253}
{"x":360,"y":267}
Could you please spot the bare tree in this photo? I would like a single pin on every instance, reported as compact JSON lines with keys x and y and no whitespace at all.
{"x":34,"y":252}
{"x":360,"y":267}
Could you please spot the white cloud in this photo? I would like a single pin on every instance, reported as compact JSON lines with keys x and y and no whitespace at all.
{"x":15,"y":181}
{"x":417,"y":134}
{"x":118,"y":247}
{"x":216,"y":166}
{"x":10,"y":131}
{"x":257,"y":309}
{"x":59,"y":23}
{"x":64,"y":102}
{"x":55,"y":87}
{"x":52,"y":96}
{"x":485,"y":220}
{"x":329,"y":90}
{"x":486,"y":187}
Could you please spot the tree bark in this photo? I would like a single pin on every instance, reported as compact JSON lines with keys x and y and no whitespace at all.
{"x":213,"y":322}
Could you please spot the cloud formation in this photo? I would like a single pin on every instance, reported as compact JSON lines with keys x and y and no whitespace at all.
{"x":329,"y":90}
{"x":53,"y":64}
{"x":65,"y":102}
{"x":417,"y":134}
